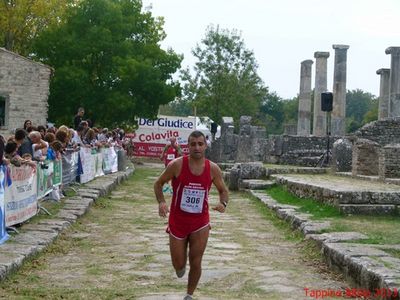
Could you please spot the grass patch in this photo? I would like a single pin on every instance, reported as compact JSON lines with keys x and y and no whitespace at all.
{"x":289,"y":234}
{"x":393,"y":252}
{"x":380,"y":230}
{"x":306,"y":205}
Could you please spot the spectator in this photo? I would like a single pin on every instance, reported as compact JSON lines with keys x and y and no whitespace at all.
{"x":51,"y":130}
{"x":39,"y":147}
{"x":50,"y":137}
{"x":10,"y":153}
{"x":77,"y":138}
{"x":62,"y":136}
{"x":55,"y":150}
{"x":24,"y":142}
{"x":27,"y":124}
{"x":102,"y":137}
{"x":79,"y":117}
{"x":42,"y":130}
{"x":90,"y":138}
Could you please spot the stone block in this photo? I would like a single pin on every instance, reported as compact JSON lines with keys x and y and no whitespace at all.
{"x":234,"y":177}
{"x":368,"y":209}
{"x":314,"y":227}
{"x":57,"y":225}
{"x":256,"y":184}
{"x":342,"y":155}
{"x":252,"y":170}
{"x":66,"y":215}
{"x":34,"y":238}
{"x":365,"y":157}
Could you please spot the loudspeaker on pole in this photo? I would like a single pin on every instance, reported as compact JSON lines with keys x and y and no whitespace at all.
{"x":326,"y":101}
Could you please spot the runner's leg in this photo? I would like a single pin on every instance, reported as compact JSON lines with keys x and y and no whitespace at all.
{"x":197,"y":246}
{"x":178,"y":249}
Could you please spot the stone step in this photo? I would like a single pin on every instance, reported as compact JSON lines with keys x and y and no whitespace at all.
{"x":294,"y":170}
{"x":350,"y":195}
{"x":368,"y":209}
{"x":256,"y":184}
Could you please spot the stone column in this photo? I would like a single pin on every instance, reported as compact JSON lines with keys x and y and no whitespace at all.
{"x":338,"y":121}
{"x":394,"y":85}
{"x":304,"y":113}
{"x":384,"y":93}
{"x":321,"y":79}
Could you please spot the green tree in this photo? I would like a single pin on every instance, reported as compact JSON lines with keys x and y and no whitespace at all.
{"x":22,"y":20}
{"x":224,"y":80}
{"x":107,"y":59}
{"x":178,"y":107}
{"x":358,"y":105}
{"x":290,"y":108}
{"x":272,"y":114}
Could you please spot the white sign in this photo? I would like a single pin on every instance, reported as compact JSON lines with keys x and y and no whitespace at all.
{"x":21,"y":196}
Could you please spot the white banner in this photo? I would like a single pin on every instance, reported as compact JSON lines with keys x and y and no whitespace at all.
{"x":21,"y":196}
{"x":99,"y":164}
{"x":88,"y":165}
{"x":110,"y":160}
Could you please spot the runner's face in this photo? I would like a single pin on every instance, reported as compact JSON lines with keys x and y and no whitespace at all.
{"x":197,"y":147}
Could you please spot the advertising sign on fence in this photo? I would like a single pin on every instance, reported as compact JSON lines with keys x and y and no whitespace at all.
{"x":69,"y":167}
{"x":110,"y":160}
{"x":57,"y":172}
{"x":3,"y":231}
{"x":88,"y":165}
{"x":45,"y":172}
{"x":152,"y":135}
{"x":21,"y":195}
{"x":99,"y":165}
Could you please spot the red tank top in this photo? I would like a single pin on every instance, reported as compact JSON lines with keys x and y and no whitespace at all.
{"x":190,"y":196}
{"x":170,"y":155}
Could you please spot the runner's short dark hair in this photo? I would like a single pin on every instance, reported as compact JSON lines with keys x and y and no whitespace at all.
{"x":197,"y":134}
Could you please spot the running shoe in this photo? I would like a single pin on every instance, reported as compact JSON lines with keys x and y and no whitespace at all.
{"x":181,"y":272}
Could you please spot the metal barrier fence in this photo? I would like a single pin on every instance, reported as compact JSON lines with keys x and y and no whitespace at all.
{"x":22,"y":187}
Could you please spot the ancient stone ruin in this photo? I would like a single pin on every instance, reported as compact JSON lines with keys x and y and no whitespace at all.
{"x":370,"y":151}
{"x":23,"y":83}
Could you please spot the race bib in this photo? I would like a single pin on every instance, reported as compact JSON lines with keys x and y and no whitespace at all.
{"x":170,"y":156}
{"x":192,"y":200}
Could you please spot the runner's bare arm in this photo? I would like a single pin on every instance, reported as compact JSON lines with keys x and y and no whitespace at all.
{"x":218,"y":180}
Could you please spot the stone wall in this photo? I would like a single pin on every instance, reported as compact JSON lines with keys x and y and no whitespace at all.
{"x":296,"y":150}
{"x":389,"y":161}
{"x":365,"y":157}
{"x":380,"y":154}
{"x":248,"y":145}
{"x":384,"y":132}
{"x":25,"y":86}
{"x":342,"y":155}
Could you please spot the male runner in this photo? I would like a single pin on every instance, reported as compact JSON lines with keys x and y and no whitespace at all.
{"x":189,"y":222}
{"x":171,"y":151}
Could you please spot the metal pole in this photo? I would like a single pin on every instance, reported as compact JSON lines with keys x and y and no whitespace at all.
{"x":328,"y":133}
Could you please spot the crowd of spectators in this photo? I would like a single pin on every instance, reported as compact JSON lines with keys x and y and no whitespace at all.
{"x":34,"y":143}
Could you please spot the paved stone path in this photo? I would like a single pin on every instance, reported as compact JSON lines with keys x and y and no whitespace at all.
{"x":120,"y":251}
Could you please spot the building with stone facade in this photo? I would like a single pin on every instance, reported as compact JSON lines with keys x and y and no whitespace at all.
{"x":24,"y":90}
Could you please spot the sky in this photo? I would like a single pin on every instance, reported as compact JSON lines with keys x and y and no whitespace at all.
{"x":283,"y":33}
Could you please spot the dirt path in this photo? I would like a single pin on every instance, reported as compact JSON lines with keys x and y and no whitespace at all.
{"x":120,"y":251}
